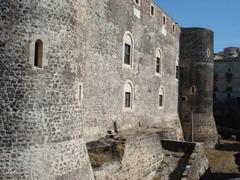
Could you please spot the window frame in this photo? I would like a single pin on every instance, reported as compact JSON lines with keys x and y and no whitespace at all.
{"x":31,"y":52}
{"x":158,"y":55}
{"x":161,"y":94}
{"x":128,"y":40}
{"x":128,"y":88}
{"x":38,"y":54}
{"x":164,"y":20}
{"x":152,"y":10}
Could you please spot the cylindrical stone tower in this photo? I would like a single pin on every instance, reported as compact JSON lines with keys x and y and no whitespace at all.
{"x":40,"y":120}
{"x":196,"y":85}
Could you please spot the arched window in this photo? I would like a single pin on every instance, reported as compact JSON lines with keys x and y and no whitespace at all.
{"x":161,"y":98}
{"x":128,"y":95}
{"x":128,"y":47}
{"x":38,"y":57}
{"x":158,"y":62}
{"x":177,"y":68}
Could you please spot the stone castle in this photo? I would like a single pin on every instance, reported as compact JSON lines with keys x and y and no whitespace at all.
{"x":90,"y":90}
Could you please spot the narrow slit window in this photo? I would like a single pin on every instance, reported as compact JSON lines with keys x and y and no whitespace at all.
{"x":161,"y":100}
{"x":127,"y":99}
{"x":158,"y":65}
{"x":127,"y":54}
{"x":158,"y":62}
{"x":164,"y":20}
{"x":152,"y":10}
{"x":137,"y":1}
{"x":38,"y":58}
{"x":173,"y":27}
{"x":128,"y":96}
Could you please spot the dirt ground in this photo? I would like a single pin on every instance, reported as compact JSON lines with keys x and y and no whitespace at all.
{"x":225,"y":160}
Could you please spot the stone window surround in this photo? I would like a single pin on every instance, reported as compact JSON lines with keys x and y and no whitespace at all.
{"x":164,"y":20}
{"x":158,"y":54}
{"x":128,"y":87}
{"x":152,"y":10}
{"x":128,"y":39}
{"x":161,"y":92}
{"x":173,"y":28}
{"x":32,"y":51}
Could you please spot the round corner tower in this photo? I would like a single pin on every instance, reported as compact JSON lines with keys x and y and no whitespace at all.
{"x":196,"y":85}
{"x":40,"y":120}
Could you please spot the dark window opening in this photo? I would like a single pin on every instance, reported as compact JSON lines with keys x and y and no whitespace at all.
{"x":164,"y":20}
{"x":127,"y":54}
{"x":173,"y":28}
{"x":184,"y":99}
{"x":152,"y":10}
{"x":137,"y":1}
{"x":38,"y":58}
{"x":160,"y":100}
{"x":127,"y":99}
{"x":193,"y":90}
{"x":158,"y":65}
{"x":229,"y":89}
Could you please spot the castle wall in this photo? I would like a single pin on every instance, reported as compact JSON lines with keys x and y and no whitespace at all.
{"x":196,"y":85}
{"x":103,"y":97}
{"x":44,"y":128}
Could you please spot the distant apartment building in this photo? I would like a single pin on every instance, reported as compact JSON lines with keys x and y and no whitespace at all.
{"x":227,"y":86}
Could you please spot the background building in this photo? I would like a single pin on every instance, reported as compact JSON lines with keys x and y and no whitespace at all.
{"x":227,"y":87}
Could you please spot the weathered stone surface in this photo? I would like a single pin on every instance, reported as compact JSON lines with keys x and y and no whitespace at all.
{"x":43,"y":128}
{"x":196,"y":85}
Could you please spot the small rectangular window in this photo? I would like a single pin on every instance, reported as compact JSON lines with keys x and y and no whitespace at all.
{"x":127,"y":99}
{"x":164,"y":20}
{"x":127,"y":54}
{"x":160,"y":100}
{"x":38,"y":58}
{"x":152,"y":10}
{"x":137,"y":1}
{"x":158,"y":65}
{"x":173,"y":28}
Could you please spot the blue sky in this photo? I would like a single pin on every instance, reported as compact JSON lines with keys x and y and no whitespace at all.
{"x":221,"y":16}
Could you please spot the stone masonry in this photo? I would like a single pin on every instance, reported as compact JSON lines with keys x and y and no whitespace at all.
{"x":46,"y":121}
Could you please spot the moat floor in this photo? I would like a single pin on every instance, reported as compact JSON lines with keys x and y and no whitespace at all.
{"x":225,"y":160}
